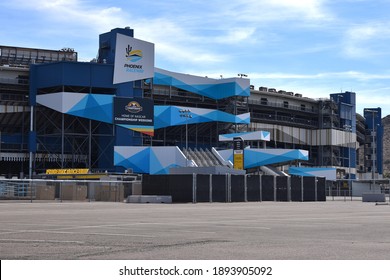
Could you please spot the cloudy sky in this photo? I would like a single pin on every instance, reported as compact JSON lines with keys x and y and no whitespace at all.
{"x":314,"y":47}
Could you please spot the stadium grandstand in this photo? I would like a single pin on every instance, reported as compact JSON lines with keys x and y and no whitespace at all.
{"x":57,"y":112}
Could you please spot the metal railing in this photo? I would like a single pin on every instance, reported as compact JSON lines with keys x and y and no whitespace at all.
{"x":284,"y":119}
{"x":341,"y":194}
{"x":267,"y":103}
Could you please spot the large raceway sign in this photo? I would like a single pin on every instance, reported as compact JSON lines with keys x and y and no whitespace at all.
{"x":134,"y":59}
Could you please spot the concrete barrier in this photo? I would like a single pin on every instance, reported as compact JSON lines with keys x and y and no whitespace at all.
{"x":149,"y":199}
{"x":373,"y":197}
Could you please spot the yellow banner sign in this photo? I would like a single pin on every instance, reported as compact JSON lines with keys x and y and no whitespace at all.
{"x":67,"y":171}
{"x":238,"y":160}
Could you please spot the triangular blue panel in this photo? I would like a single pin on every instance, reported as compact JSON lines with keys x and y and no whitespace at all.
{"x":119,"y":160}
{"x":155,"y":165}
{"x":140,"y":161}
{"x":162,"y":116}
{"x":95,"y":107}
{"x":81,"y":105}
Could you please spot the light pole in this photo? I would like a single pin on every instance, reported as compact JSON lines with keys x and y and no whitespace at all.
{"x":186,"y":113}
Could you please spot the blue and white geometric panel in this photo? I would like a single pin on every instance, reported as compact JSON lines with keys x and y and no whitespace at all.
{"x":265,"y":135}
{"x":164,"y":158}
{"x":60,"y":101}
{"x":261,"y":157}
{"x":91,"y":106}
{"x":94,"y":106}
{"x":149,"y":160}
{"x":170,"y":116}
{"x":100,"y":107}
{"x":246,"y":136}
{"x":136,"y":157}
{"x":329,"y":173}
{"x":212,"y":88}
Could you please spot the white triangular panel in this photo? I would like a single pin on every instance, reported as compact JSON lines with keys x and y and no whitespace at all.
{"x":60,"y":101}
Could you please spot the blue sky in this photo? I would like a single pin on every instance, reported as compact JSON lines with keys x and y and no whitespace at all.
{"x":314,"y":47}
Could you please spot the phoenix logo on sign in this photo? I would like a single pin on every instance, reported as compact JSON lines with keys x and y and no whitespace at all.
{"x":133,"y":55}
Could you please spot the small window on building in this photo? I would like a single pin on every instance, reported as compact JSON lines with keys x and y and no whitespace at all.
{"x":285,"y":104}
{"x":264,"y":101}
{"x":303,"y":107}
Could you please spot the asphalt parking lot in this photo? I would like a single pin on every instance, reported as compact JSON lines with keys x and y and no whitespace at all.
{"x":262,"y":230}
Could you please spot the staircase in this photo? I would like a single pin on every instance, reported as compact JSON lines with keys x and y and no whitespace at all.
{"x":270,"y":170}
{"x":202,"y":157}
{"x":205,"y":158}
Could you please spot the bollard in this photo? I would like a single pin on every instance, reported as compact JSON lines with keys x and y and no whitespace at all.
{"x":193,"y":188}
{"x":289,"y":189}
{"x":60,"y":191}
{"x":211,"y":188}
{"x":245,"y":188}
{"x":274,"y":188}
{"x":31,"y":190}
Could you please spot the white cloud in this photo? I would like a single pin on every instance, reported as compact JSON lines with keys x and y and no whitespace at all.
{"x":312,"y":9}
{"x":236,"y":36}
{"x":277,"y":10}
{"x":83,"y":15}
{"x":173,"y":39}
{"x":180,"y":36}
{"x":367,"y":40}
{"x":373,"y":98}
{"x":175,"y":43}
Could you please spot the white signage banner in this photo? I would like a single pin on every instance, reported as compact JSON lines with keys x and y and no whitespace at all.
{"x":134,"y":59}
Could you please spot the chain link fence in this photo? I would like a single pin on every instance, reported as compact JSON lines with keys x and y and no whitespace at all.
{"x":72,"y":190}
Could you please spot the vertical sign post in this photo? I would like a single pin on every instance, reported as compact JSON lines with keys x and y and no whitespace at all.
{"x":238,"y":153}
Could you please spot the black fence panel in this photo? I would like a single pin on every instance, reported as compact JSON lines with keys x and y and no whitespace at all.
{"x":268,"y":187}
{"x":57,"y":191}
{"x":181,"y":188}
{"x":281,"y":188}
{"x":309,"y":188}
{"x":321,"y":189}
{"x":219,"y":188}
{"x":202,"y":188}
{"x":155,"y":185}
{"x":127,"y":189}
{"x":253,"y":187}
{"x":237,"y":188}
{"x":177,"y":186}
{"x":296,"y":188}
